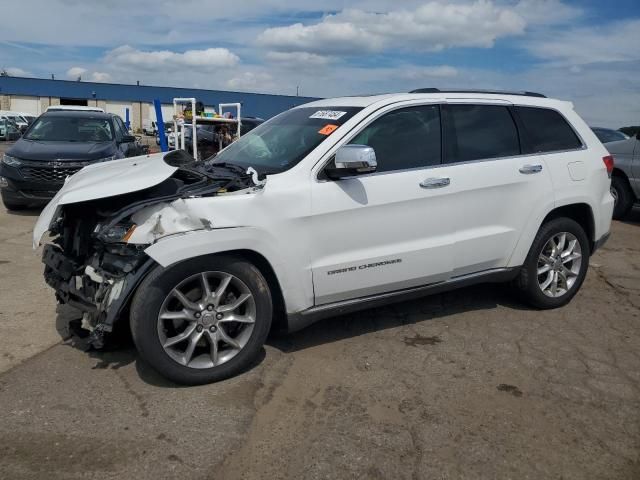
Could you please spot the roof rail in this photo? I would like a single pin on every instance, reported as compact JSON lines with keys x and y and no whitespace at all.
{"x":501,"y":92}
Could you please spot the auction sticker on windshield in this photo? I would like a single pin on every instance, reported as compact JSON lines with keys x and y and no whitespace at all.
{"x":328,"y":129}
{"x":328,"y":114}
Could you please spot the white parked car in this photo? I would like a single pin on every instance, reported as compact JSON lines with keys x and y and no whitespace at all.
{"x":333,"y":206}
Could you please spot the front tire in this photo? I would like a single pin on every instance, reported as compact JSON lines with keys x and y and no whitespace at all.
{"x":202,"y":320}
{"x":622,"y":195}
{"x":556,"y":265}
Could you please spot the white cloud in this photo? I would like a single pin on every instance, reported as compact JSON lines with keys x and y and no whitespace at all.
{"x":425,"y":73}
{"x":208,"y":59}
{"x":16,"y":72}
{"x":254,"y":81}
{"x":75,"y":72}
{"x":100,"y":77}
{"x":615,"y":42}
{"x":431,"y":27}
{"x":299,"y":59}
{"x":546,"y":12}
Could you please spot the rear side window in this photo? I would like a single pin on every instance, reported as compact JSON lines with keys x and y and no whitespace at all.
{"x":546,"y":130}
{"x":405,"y":138}
{"x":476,"y":132}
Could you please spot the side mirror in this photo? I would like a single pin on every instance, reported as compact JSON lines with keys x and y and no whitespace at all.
{"x":128,"y":139}
{"x":352,"y":160}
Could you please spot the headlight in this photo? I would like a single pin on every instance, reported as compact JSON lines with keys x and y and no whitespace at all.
{"x":11,"y":161}
{"x":119,"y":233}
{"x":105,"y":159}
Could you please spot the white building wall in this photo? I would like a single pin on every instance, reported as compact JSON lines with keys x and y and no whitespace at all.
{"x":26,"y":105}
{"x":119,"y":108}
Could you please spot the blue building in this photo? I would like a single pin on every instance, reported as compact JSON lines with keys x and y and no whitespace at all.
{"x":34,"y":95}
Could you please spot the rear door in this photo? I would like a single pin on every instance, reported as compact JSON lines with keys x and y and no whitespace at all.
{"x":391,"y":229}
{"x":496,"y":189}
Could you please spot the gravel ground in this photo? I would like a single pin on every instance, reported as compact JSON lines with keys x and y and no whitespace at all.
{"x":468,"y":384}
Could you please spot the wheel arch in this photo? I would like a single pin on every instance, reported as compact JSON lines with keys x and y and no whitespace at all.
{"x":279,"y":319}
{"x":581,"y":213}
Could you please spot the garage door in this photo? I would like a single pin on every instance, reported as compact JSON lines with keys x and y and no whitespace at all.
{"x":26,"y":105}
{"x":119,"y":109}
{"x":167,"y":112}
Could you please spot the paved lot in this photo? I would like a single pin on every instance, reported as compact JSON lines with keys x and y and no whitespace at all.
{"x":469,"y":384}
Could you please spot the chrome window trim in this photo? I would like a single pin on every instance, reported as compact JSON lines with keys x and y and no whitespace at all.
{"x":325,"y":161}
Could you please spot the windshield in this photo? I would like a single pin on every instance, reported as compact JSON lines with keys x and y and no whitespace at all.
{"x":282,"y":142}
{"x":70,"y":129}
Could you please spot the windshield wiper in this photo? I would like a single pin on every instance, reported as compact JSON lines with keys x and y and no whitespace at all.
{"x":230,"y":166}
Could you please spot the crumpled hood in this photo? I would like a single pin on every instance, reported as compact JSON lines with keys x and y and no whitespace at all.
{"x":104,"y":180}
{"x":61,"y":151}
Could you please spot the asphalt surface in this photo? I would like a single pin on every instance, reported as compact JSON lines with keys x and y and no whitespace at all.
{"x":468,"y":384}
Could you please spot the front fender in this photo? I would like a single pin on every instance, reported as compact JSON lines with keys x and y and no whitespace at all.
{"x":294,"y":275}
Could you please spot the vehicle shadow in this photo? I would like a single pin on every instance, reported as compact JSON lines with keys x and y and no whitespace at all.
{"x":426,"y":309}
{"x":633,"y":217}
{"x":27,"y":212}
{"x":120,"y":350}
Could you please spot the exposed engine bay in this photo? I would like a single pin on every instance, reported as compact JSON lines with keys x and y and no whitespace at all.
{"x":92,"y":259}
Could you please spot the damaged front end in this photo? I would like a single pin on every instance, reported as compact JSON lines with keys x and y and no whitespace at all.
{"x":95,"y":254}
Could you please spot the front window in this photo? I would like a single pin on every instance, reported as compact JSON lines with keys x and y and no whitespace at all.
{"x":282,"y":142}
{"x":70,"y":129}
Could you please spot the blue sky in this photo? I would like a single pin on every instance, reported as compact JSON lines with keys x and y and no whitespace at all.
{"x":583,"y":51}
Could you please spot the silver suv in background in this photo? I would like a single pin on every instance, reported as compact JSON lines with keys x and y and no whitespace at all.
{"x":625,"y":180}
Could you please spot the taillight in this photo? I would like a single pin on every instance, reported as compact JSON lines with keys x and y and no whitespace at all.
{"x":608,"y":162}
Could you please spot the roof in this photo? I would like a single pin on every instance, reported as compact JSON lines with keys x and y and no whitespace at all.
{"x":253,"y":104}
{"x":387,"y":98}
{"x":77,"y":114}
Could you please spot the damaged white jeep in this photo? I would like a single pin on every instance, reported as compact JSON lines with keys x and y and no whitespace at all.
{"x":329,"y":207}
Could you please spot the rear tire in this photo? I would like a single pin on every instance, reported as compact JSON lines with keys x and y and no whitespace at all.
{"x":208,"y":345}
{"x":623,"y":196}
{"x":564,"y":266}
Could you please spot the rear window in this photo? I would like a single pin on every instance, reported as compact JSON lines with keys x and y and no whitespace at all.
{"x":474,"y":132}
{"x":545,"y":130}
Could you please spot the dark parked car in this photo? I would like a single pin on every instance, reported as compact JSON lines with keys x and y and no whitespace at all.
{"x":606,"y":135}
{"x":57,"y":145}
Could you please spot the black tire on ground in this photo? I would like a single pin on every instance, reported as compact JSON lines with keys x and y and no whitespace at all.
{"x":12,"y":204}
{"x":151,"y":294}
{"x":526,"y":282}
{"x":623,"y":194}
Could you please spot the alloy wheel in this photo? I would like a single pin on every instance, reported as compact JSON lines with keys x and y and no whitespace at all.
{"x":559,"y":264}
{"x":206,"y":320}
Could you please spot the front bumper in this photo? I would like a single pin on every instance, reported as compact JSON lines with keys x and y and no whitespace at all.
{"x":27,"y":190}
{"x":101,"y":295}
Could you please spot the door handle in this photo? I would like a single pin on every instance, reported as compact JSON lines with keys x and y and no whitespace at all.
{"x":529,"y":169}
{"x":435,"y":182}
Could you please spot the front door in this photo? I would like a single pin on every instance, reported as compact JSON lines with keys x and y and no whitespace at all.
{"x":391,"y":229}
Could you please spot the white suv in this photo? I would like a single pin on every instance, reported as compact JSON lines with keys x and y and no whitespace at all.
{"x":332,"y":206}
